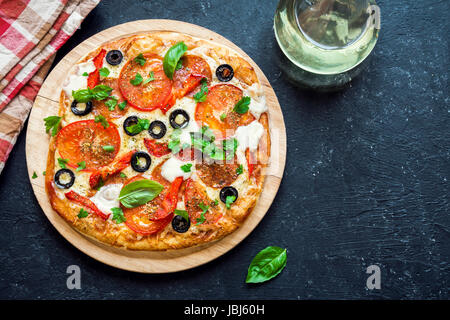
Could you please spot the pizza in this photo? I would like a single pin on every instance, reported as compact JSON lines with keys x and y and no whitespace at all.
{"x":161,"y":142}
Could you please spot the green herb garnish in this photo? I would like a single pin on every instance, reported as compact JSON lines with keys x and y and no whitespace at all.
{"x":81,"y":165}
{"x":100,"y":92}
{"x":242,"y":105}
{"x":118,"y":216}
{"x":186,"y":167}
{"x":62,"y":162}
{"x":202,"y":94}
{"x":104,"y":72}
{"x":139,"y":192}
{"x":171,"y":58}
{"x":102,"y":121}
{"x":83,"y":213}
{"x":34,"y":176}
{"x":140,"y":59}
{"x":240,"y":169}
{"x":229,"y":200}
{"x":141,"y":125}
{"x":111,"y":103}
{"x":52,"y":123}
{"x":137,"y":79}
{"x":108,"y":148}
{"x":202,"y":218}
{"x":182,"y":213}
{"x":122,"y":105}
{"x":150,"y":78}
{"x":85,"y":74}
{"x":267,"y":264}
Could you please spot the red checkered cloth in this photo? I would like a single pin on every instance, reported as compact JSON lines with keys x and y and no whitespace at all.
{"x":31,"y":31}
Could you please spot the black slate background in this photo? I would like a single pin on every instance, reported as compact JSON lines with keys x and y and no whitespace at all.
{"x":366,"y":179}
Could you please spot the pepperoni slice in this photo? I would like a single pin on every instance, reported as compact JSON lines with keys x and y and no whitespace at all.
{"x":193,"y":197}
{"x":139,"y":219}
{"x":145,"y":96}
{"x":101,"y":108}
{"x":217,"y":175}
{"x":221,"y":101}
{"x":84,"y":141}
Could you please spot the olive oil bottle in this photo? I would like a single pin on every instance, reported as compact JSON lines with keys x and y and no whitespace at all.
{"x":324,"y":41}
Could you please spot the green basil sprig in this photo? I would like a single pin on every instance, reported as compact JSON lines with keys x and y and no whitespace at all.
{"x":172,"y":57}
{"x":267,"y":264}
{"x":52,"y":124}
{"x":139,"y":192}
{"x":242,"y":105}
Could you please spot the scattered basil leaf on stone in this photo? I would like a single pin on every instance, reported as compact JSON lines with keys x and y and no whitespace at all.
{"x":267,"y":264}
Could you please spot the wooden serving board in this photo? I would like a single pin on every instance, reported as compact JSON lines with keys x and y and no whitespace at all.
{"x":37,"y":143}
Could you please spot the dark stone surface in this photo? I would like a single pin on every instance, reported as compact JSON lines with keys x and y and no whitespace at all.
{"x":366,"y":179}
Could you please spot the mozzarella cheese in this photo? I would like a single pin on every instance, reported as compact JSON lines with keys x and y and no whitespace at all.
{"x":248,"y":136}
{"x":171,"y":169}
{"x":107,"y":197}
{"x":76,"y":80}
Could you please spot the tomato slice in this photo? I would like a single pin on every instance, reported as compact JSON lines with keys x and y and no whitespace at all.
{"x":94,"y":76}
{"x":251,"y":161}
{"x":139,"y":219}
{"x":85,"y":202}
{"x":84,"y":141}
{"x":157,"y":149}
{"x":220,"y":101}
{"x":148,"y":96}
{"x":194,"y":196}
{"x":99,"y":105}
{"x":114,"y":168}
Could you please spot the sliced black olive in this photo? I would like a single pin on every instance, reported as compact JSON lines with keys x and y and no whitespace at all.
{"x":179,"y":119}
{"x":224,"y":72}
{"x":180,"y":224}
{"x":114,"y":57}
{"x":157,"y":129}
{"x":60,"y":175}
{"x":228,"y":192}
{"x":128,"y":123}
{"x":75,"y":107}
{"x":136,"y":161}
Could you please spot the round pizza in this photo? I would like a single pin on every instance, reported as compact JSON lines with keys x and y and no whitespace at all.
{"x":161,"y":142}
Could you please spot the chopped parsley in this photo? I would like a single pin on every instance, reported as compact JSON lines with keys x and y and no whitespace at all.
{"x":202,"y":94}
{"x":104,"y":72}
{"x":85,"y":74}
{"x":151,"y":77}
{"x":34,"y":176}
{"x":229,"y":200}
{"x":140,"y":59}
{"x":111,"y":103}
{"x":102,"y":121}
{"x":137,"y":79}
{"x":122,"y":105}
{"x":240,"y":169}
{"x":186,"y":167}
{"x":123,"y":175}
{"x":118,"y":216}
{"x":202,"y":218}
{"x":62,"y":162}
{"x":81,"y":165}
{"x":83,"y":213}
{"x":108,"y":148}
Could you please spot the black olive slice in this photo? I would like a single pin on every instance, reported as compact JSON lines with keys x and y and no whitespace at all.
{"x":157,"y":129}
{"x":224,"y":72}
{"x":175,"y":118}
{"x":180,"y":224}
{"x":114,"y":57}
{"x":75,"y":107}
{"x":228,"y":192}
{"x":128,"y":123}
{"x":136,"y":161}
{"x":60,"y":175}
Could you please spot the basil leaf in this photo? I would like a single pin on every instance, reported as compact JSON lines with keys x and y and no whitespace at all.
{"x":34,"y":176}
{"x":267,"y":264}
{"x":140,"y":59}
{"x":143,"y":124}
{"x":82,"y":95}
{"x":223,"y":116}
{"x":62,"y":162}
{"x":139,"y":192}
{"x":111,"y":103}
{"x":52,"y":123}
{"x":182,"y":213}
{"x":104,"y":72}
{"x":172,"y":57}
{"x":151,"y":78}
{"x":229,"y":200}
{"x":123,"y":175}
{"x":85,"y":74}
{"x":240,"y":169}
{"x":137,"y":79}
{"x":118,"y":216}
{"x":101,"y":92}
{"x":241,"y":106}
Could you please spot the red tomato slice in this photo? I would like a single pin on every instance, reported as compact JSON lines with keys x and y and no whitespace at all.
{"x":139,"y":219}
{"x":194,"y":196}
{"x":84,"y":141}
{"x":85,"y":202}
{"x":94,"y":76}
{"x":221,"y":101}
{"x":149,"y":96}
{"x":157,"y":149}
{"x":114,"y":168}
{"x":251,"y":161}
{"x":101,"y":108}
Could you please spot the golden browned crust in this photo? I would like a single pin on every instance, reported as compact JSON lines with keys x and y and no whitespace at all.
{"x":119,"y":234}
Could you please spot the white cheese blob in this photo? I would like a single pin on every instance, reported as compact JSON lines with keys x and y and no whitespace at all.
{"x":171,"y":169}
{"x":107,"y":197}
{"x":76,"y":80}
{"x":248,"y":136}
